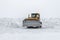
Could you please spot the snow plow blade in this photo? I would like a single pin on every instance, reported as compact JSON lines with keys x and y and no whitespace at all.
{"x":32,"y":24}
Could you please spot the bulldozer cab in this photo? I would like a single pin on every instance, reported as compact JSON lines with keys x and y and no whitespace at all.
{"x":34,"y":16}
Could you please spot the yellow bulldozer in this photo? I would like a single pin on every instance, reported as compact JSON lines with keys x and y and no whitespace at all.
{"x":33,"y":21}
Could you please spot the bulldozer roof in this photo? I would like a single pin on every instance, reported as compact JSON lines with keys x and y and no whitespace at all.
{"x":35,"y":13}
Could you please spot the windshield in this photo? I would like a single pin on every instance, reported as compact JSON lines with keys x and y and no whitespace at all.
{"x":33,"y":15}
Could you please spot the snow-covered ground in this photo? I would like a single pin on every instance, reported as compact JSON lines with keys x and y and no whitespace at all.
{"x":11,"y":29}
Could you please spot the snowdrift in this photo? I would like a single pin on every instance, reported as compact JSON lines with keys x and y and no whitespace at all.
{"x":11,"y":29}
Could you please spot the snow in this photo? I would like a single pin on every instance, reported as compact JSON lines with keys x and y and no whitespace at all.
{"x":11,"y":29}
{"x":13,"y":11}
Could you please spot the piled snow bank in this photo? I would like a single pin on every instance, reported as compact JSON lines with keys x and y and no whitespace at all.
{"x":17,"y":22}
{"x":51,"y":23}
{"x":10,"y":29}
{"x":9,"y":22}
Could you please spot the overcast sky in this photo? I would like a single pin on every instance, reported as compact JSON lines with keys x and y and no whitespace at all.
{"x":21,"y":8}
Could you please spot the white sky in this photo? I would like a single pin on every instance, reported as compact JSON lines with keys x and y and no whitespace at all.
{"x":21,"y":8}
